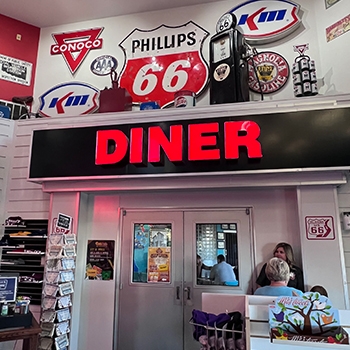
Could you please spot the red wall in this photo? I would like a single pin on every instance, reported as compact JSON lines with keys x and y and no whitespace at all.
{"x":26,"y":50}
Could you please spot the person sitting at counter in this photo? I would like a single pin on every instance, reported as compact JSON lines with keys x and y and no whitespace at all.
{"x":278,"y":273}
{"x":284,"y":251}
{"x":222,"y":272}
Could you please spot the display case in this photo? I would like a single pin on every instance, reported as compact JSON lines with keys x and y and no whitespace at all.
{"x":23,"y":251}
{"x":255,"y":312}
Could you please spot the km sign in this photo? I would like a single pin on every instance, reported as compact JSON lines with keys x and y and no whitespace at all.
{"x":265,"y":21}
{"x":75,"y":46}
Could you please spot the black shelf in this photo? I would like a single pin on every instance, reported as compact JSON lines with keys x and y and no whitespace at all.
{"x":31,"y":263}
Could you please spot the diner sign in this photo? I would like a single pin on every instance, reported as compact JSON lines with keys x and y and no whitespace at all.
{"x":270,"y":142}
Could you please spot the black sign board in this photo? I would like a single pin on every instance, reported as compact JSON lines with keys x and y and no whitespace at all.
{"x":293,"y":140}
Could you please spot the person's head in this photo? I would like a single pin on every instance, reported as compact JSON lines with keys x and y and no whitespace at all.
{"x":284,"y":251}
{"x":319,"y":289}
{"x":220,"y":258}
{"x":277,"y":270}
{"x":199,"y":260}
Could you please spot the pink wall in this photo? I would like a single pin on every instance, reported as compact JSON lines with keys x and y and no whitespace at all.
{"x":26,"y":50}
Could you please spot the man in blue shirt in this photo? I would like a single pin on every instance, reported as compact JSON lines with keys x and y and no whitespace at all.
{"x":222,"y":271}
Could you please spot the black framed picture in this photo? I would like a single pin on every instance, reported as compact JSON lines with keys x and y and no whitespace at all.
{"x":221,"y":235}
{"x":330,"y":3}
{"x":221,"y":245}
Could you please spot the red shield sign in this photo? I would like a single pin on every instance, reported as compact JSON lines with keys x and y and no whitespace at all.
{"x":163,"y":61}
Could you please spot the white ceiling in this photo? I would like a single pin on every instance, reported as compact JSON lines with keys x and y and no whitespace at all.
{"x":41,"y":13}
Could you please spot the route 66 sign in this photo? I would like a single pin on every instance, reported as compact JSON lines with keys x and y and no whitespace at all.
{"x":319,"y":228}
{"x":164,"y":60}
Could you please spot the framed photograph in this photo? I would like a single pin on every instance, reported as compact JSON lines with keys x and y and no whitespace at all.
{"x":221,"y":235}
{"x":221,"y":245}
{"x":338,"y":28}
{"x":330,"y":3}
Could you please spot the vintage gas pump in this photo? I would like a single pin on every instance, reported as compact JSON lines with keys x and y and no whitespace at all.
{"x":228,"y":68}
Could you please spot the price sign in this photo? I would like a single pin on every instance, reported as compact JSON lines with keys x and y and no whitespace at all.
{"x":164,"y":60}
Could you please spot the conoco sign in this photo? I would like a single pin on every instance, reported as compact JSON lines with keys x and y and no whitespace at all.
{"x":74,"y":46}
{"x":263,"y":21}
{"x":162,"y":61}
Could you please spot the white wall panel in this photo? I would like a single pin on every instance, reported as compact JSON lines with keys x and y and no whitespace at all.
{"x":323,"y":260}
{"x":334,"y":53}
{"x":19,"y":184}
{"x":21,"y":150}
{"x":346,"y":245}
{"x":24,"y":198}
{"x":100,"y":221}
{"x":344,"y":206}
{"x":34,"y":194}
{"x":6,"y":142}
{"x":347,"y":258}
{"x":53,"y":70}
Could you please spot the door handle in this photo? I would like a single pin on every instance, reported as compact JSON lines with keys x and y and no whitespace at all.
{"x":178,"y":293}
{"x":188,"y":290}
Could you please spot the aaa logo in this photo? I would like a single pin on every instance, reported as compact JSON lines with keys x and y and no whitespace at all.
{"x":75,"y":46}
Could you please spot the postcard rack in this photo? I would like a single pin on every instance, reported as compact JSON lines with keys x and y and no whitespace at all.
{"x":219,"y":338}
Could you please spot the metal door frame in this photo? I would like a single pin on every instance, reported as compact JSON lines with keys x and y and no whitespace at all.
{"x":183,"y":209}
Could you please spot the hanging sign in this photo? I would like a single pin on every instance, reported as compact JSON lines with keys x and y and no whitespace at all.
{"x":265,"y":21}
{"x":75,"y":46}
{"x":162,"y":61}
{"x":271,"y":69}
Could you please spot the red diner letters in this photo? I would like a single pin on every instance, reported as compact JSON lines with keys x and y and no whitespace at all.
{"x":203,"y":143}
{"x":102,"y":141}
{"x":233,"y":140}
{"x":197,"y":139}
{"x":172,"y":147}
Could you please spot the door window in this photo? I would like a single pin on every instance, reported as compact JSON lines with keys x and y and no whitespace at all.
{"x":217,"y":254}
{"x":152,"y":253}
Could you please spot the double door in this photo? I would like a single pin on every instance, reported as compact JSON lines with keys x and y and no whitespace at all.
{"x":161,"y":282}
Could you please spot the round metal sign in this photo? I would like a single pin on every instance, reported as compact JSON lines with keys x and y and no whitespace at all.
{"x":103,"y":65}
{"x":271,"y":69}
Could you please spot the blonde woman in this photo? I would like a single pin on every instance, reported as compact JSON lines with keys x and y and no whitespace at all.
{"x":278,"y":273}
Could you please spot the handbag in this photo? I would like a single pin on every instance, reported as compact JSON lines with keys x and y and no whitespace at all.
{"x":114,"y":99}
{"x":202,"y":320}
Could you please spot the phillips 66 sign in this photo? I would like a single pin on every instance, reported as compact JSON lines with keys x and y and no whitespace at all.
{"x":164,"y":60}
